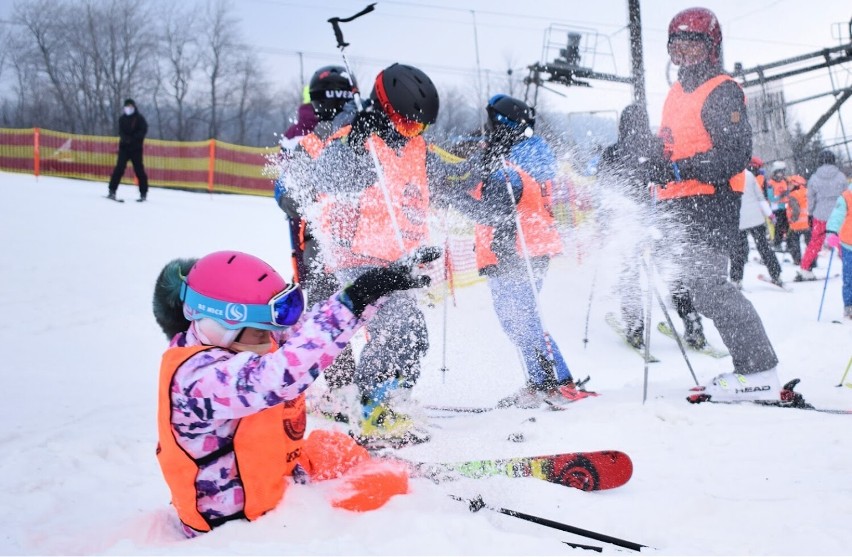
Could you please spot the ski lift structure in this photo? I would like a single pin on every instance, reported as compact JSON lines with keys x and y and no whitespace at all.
{"x":764,"y":89}
{"x":573,"y":52}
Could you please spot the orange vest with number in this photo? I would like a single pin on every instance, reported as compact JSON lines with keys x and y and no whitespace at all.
{"x":266,"y":447}
{"x":684,"y":136}
{"x":800,"y":223}
{"x":845,"y":232}
{"x":542,"y":237}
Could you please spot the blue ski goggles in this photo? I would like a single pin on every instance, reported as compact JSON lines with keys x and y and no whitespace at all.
{"x":283,"y":310}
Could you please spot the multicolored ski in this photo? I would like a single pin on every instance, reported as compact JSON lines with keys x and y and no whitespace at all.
{"x":586,"y":471}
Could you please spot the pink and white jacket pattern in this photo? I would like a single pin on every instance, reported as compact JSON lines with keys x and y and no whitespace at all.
{"x":213,"y":389}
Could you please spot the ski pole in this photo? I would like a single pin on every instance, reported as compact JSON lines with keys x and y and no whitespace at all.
{"x":842,"y":379}
{"x":648,"y":308}
{"x":478,"y":504}
{"x":825,"y":285}
{"x":589,"y":309}
{"x":377,"y":166}
{"x":674,"y":331}
{"x":676,"y":334}
{"x":448,"y":289}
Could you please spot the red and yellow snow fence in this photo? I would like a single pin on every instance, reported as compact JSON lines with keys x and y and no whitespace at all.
{"x":196,"y":165}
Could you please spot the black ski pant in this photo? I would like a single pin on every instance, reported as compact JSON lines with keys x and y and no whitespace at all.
{"x":135,"y":157}
{"x":739,"y":253}
{"x":782,"y":225}
{"x":794,"y":245}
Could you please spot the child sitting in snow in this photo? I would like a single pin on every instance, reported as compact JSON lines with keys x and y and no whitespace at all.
{"x":231,"y":416}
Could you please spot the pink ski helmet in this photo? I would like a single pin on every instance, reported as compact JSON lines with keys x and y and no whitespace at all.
{"x":239,"y":290}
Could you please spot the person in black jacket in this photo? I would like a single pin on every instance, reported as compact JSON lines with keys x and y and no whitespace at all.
{"x":707,"y":146}
{"x":627,"y":167}
{"x":132,"y":129}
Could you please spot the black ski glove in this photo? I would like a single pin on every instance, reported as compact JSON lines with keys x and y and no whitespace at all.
{"x":365,"y":124}
{"x":381,"y":281}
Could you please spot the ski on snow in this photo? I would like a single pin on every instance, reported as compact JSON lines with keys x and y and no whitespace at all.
{"x":546,"y":404}
{"x":616,"y":325}
{"x":586,"y":471}
{"x":790,"y":398}
{"x":708,"y":350}
{"x":766,"y":279}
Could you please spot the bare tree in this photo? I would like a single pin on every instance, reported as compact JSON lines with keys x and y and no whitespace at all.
{"x":219,"y":50}
{"x":180,"y":57}
{"x":88,"y":54}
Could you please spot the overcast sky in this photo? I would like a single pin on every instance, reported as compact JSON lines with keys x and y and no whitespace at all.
{"x":438,"y":36}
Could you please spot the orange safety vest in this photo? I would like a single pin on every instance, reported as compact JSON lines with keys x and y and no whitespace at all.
{"x":684,"y":136}
{"x":266,"y":448}
{"x":780,"y":189}
{"x":408,"y":188}
{"x":845,"y":232}
{"x":542,"y":237}
{"x":761,"y":180}
{"x":799,"y":221}
{"x":314,"y":146}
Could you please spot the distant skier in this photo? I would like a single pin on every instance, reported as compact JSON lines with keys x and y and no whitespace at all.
{"x":132,"y":129}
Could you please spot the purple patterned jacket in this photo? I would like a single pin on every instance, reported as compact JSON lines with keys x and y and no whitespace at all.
{"x":213,"y":389}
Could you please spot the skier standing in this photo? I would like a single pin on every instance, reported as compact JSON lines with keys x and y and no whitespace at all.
{"x":825,"y":185}
{"x":626,"y":163}
{"x":328,"y":91}
{"x":707,"y":142}
{"x":754,"y":210}
{"x":515,"y":158}
{"x":360,"y":233}
{"x":776,"y":191}
{"x":839,"y":236}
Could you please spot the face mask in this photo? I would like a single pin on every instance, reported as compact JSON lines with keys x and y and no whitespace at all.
{"x":128,"y":110}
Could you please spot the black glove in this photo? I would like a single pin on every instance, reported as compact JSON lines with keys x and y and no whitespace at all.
{"x":365,"y":124}
{"x":381,"y":281}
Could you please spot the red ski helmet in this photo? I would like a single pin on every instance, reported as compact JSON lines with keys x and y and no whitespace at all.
{"x":756,"y":162}
{"x":698,"y":23}
{"x":237,"y":290}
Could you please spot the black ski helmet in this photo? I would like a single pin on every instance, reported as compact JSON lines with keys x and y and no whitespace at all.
{"x":406,"y":91}
{"x":329,"y":90}
{"x":509,"y":114}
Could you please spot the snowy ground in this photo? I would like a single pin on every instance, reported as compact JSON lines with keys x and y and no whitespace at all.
{"x":81,"y":353}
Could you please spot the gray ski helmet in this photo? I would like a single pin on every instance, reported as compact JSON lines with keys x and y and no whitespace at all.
{"x":329,"y":90}
{"x":407,"y":92}
{"x":505,"y":112}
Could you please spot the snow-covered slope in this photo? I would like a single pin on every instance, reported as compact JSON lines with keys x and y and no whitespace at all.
{"x":81,"y":352}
